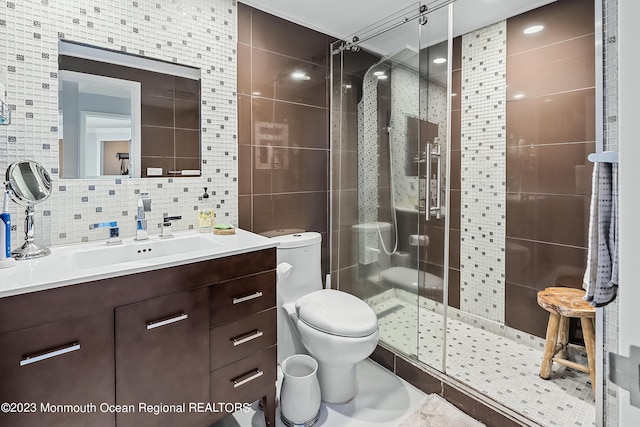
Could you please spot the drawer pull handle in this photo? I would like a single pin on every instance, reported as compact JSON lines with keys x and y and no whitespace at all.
{"x":48,"y":355}
{"x":163,"y":322}
{"x":248,"y":337}
{"x":247,"y":298}
{"x":247,"y":378}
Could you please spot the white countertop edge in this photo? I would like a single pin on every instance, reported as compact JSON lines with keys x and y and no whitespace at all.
{"x":243,"y":242}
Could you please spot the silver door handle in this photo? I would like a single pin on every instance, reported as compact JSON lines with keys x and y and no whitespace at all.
{"x":427,"y":201}
{"x":247,"y":298}
{"x":242,"y":380}
{"x":48,"y":355}
{"x":438,"y":209}
{"x":248,"y":337}
{"x":163,"y":322}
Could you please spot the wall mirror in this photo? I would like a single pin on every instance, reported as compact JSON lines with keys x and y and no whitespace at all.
{"x":126,"y":115}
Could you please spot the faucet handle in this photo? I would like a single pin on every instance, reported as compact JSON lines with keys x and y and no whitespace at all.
{"x":114,"y":231}
{"x":166,"y":231}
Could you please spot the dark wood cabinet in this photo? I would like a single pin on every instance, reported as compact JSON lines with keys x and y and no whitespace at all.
{"x":200,"y":333}
{"x":60,"y":363}
{"x":243,"y":341}
{"x":161,"y":355}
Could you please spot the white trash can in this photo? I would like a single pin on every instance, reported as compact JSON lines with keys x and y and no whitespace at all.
{"x":300,"y":393}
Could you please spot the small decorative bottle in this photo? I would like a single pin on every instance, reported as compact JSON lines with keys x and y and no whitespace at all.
{"x":205,"y":215}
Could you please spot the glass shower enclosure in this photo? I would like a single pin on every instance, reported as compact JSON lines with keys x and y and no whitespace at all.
{"x":391,"y":97}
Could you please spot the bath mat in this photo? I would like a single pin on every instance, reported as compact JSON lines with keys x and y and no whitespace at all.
{"x":437,"y":412}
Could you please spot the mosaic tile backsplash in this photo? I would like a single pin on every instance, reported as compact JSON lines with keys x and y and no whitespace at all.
{"x":200,"y":33}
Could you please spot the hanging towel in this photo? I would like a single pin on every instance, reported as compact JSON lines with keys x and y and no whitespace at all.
{"x":601,"y":275}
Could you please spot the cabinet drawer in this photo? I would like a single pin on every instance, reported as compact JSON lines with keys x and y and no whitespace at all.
{"x":61,"y":363}
{"x":235,"y":340}
{"x":162,"y":357}
{"x":238,"y":298}
{"x":247,"y":379}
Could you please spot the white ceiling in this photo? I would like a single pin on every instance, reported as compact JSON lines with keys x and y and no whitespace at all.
{"x":344,"y":18}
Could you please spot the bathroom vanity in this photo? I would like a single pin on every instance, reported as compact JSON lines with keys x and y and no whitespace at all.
{"x":180,"y":339}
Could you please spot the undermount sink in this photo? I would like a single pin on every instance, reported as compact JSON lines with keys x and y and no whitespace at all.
{"x":132,"y":251}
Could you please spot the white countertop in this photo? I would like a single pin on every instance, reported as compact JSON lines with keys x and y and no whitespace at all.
{"x":59,"y":268}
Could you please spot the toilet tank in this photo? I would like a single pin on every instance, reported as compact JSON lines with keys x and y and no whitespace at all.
{"x":303,"y":252}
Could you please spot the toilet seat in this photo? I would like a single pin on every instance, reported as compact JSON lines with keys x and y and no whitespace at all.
{"x":337,"y":313}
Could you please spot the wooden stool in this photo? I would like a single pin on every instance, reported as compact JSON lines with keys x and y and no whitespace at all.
{"x":563,"y":303}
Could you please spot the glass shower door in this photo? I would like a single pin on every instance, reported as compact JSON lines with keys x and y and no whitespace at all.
{"x":388,"y":118}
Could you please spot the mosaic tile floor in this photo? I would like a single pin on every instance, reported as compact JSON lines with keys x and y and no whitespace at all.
{"x":502,"y":369}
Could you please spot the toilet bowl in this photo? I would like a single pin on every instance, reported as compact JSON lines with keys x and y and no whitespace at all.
{"x":335,"y":328}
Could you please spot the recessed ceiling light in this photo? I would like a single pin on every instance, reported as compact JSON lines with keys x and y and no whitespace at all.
{"x":299,"y":75}
{"x":440,"y":60}
{"x":378,"y":73}
{"x":454,"y":94}
{"x":533,"y":29}
{"x":382,"y":77}
{"x":347,"y":86}
{"x":518,"y":95}
{"x":256,"y":93}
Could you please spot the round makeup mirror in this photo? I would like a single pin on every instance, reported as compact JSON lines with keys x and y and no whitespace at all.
{"x":30,"y":184}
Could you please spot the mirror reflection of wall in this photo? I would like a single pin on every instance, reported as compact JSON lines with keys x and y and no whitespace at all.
{"x":110,"y":96}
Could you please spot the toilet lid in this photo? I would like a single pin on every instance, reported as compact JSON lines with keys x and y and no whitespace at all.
{"x":337,"y":313}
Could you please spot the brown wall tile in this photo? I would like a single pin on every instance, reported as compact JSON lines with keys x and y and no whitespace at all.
{"x":245,"y":126}
{"x":281,"y":36}
{"x":282,"y":170}
{"x":272,"y":78}
{"x":475,"y":409}
{"x":558,"y":169}
{"x":244,"y":69}
{"x":549,"y":218}
{"x":569,"y":65}
{"x":384,"y":357}
{"x":559,"y":118}
{"x":417,"y":377}
{"x":295,"y":210}
{"x":156,"y":111}
{"x":244,"y":170}
{"x":187,"y":114}
{"x":244,"y":23}
{"x":157,"y":141}
{"x":522,"y":311}
{"x":307,"y":126}
{"x":562,"y":20}
{"x":187,"y":143}
{"x":538,"y":265}
{"x":453,"y":291}
{"x":244,"y":212}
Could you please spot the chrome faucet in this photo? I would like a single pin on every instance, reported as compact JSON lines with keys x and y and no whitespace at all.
{"x":144,"y":205}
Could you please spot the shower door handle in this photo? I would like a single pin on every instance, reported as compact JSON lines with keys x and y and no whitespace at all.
{"x":427,"y":187}
{"x":437,"y":209}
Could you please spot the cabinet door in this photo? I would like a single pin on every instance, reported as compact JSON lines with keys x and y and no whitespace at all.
{"x":162,"y":357}
{"x":61,"y":363}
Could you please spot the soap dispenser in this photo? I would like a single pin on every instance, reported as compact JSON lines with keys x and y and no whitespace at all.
{"x":205,"y":215}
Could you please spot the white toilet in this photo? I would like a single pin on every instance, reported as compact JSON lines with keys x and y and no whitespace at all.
{"x":336,"y":328}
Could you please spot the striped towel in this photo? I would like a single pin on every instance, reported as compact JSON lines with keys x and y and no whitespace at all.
{"x":601,"y":275}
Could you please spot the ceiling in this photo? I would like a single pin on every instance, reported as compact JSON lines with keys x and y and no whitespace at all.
{"x":344,"y":19}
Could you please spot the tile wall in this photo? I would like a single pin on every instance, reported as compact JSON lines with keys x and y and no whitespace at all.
{"x":283,"y":136}
{"x":550,"y":132}
{"x":483,"y":167}
{"x":200,"y":33}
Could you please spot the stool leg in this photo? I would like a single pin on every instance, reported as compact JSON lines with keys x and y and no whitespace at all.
{"x":590,"y":343}
{"x":550,"y":346}
{"x":563,"y":337}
